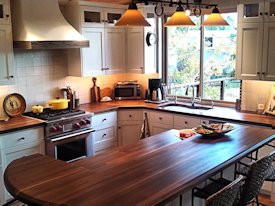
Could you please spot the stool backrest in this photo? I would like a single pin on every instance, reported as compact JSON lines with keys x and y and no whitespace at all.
{"x":254,"y":180}
{"x":227,"y":195}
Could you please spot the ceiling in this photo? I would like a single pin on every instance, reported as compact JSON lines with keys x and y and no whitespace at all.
{"x":104,"y":1}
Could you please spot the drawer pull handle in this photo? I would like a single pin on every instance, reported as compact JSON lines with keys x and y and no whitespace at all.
{"x":104,"y":136}
{"x":20,"y":139}
{"x":104,"y":120}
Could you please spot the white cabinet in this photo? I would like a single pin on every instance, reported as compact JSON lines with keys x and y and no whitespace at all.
{"x":106,"y":54}
{"x":18,"y":144}
{"x":5,"y":12}
{"x":160,"y":122}
{"x":186,"y":122}
{"x":6,"y":48}
{"x":142,"y":46}
{"x":256,"y":45}
{"x":105,"y":135}
{"x":129,"y":126}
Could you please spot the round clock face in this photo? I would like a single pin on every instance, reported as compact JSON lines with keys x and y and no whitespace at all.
{"x":14,"y":104}
{"x":151,"y":38}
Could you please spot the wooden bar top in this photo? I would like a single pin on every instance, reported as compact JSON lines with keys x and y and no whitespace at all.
{"x":17,"y":123}
{"x":149,"y":172}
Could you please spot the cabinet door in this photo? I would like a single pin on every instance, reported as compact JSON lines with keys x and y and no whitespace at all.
{"x":14,"y":153}
{"x":249,"y":51}
{"x":129,"y":132}
{"x":156,"y":128}
{"x":269,"y":11}
{"x":112,"y":15}
{"x":4,"y":12}
{"x":2,"y":187}
{"x":268,"y":71}
{"x":92,"y":16}
{"x":115,"y":50}
{"x":251,"y":11}
{"x":93,"y":57}
{"x":6,"y":56}
{"x":185,"y":122}
{"x":135,"y":50}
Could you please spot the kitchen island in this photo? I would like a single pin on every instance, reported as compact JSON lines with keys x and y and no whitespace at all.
{"x":152,"y":171}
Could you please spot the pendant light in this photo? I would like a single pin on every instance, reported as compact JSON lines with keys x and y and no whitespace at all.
{"x":215,"y":19}
{"x":179,"y":18}
{"x":132,"y":17}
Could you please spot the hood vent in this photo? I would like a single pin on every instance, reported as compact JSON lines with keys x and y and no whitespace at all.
{"x":39,"y":24}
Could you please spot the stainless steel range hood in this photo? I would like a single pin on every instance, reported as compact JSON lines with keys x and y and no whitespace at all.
{"x":39,"y":24}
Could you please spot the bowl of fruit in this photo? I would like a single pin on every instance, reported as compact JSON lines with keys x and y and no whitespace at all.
{"x":213,"y":130}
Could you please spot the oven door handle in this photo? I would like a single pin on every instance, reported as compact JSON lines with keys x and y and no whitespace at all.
{"x":72,"y":135}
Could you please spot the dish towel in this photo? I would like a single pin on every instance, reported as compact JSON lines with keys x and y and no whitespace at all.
{"x":145,"y":132}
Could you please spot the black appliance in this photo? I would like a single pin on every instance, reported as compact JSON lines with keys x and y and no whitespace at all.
{"x":155,"y":92}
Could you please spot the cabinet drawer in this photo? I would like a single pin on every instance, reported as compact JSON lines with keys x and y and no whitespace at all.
{"x":160,"y":117}
{"x":186,"y":121}
{"x":104,"y":134}
{"x":106,"y":144}
{"x":14,"y":139}
{"x":128,"y":115}
{"x":104,"y":118}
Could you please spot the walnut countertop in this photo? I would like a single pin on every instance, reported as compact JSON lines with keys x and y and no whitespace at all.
{"x":219,"y":113}
{"x":17,"y":123}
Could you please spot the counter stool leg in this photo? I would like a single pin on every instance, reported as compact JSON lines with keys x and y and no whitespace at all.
{"x":180,"y":200}
{"x":192,"y":201}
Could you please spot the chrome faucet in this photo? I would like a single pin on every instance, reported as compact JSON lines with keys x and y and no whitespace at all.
{"x":193,"y":98}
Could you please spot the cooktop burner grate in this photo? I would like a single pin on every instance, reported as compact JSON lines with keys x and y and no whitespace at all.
{"x":49,"y":114}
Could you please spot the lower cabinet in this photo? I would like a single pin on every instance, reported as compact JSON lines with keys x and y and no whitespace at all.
{"x":15,"y":145}
{"x":105,"y":135}
{"x":187,"y":122}
{"x":160,"y":122}
{"x":129,"y":126}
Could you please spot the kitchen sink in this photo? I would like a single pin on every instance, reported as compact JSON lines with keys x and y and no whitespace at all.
{"x":184,"y":107}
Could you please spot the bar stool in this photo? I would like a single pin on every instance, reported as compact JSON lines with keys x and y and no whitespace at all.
{"x":254,"y":180}
{"x":226,"y":196}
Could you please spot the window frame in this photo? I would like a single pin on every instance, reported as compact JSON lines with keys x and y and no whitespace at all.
{"x":164,"y":47}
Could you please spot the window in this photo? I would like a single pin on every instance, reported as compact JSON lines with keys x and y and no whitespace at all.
{"x":203,"y":61}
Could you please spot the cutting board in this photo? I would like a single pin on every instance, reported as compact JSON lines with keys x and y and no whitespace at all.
{"x":95,"y":92}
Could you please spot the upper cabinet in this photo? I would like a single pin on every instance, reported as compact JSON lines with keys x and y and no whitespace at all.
{"x":142,"y":45}
{"x":6,"y":49}
{"x":256,"y":44}
{"x":106,"y":54}
{"x":4,"y":12}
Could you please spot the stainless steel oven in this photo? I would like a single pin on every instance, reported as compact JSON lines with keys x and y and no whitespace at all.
{"x":68,"y":134}
{"x":71,"y":147}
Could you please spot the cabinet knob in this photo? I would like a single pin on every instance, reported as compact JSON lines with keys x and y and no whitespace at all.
{"x":261,"y":13}
{"x":107,"y":68}
{"x":119,"y":127}
{"x":160,"y":118}
{"x":266,"y":13}
{"x":7,"y":16}
{"x":258,"y":73}
{"x":102,"y":69}
{"x":11,"y":77}
{"x":185,"y":122}
{"x":130,"y":115}
{"x":104,"y":136}
{"x":263,"y":73}
{"x":104,"y":120}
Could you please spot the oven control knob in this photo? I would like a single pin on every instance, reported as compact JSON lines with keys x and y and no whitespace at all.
{"x":59,"y":128}
{"x":53,"y":129}
{"x":88,"y":121}
{"x":82,"y":122}
{"x":77,"y":126}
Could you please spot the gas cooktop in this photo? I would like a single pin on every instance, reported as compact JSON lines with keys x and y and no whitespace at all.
{"x":50,"y":115}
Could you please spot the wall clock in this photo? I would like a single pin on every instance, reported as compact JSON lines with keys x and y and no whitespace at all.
{"x":14,"y":104}
{"x":151,"y":39}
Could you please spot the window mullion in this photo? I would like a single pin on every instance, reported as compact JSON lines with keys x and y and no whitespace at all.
{"x":201,"y":59}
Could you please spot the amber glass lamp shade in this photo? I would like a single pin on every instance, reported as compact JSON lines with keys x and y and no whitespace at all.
{"x":179,"y":18}
{"x":215,"y":19}
{"x":132,"y":17}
